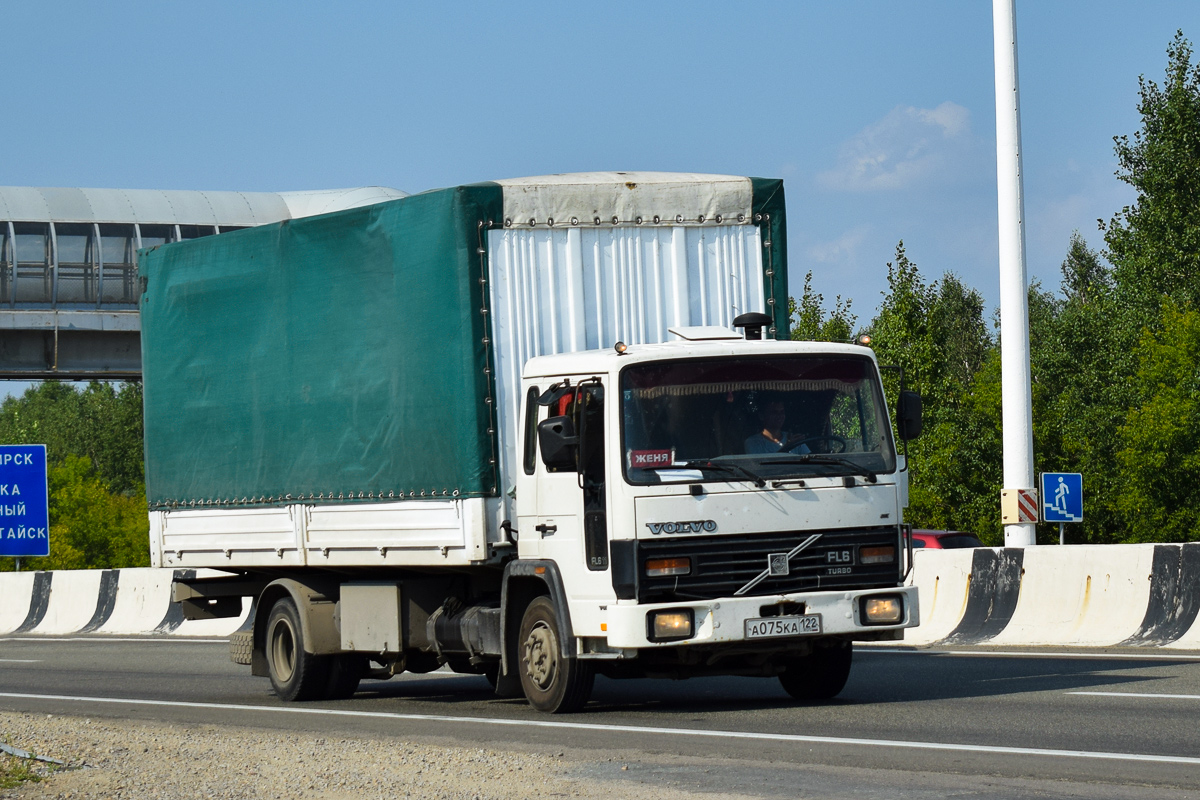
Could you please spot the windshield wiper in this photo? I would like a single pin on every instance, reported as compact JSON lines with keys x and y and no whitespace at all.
{"x":822,"y":459}
{"x":719,"y":466}
{"x":728,"y":466}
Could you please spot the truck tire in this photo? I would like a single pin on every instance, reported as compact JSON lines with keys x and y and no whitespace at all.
{"x":345,"y":672}
{"x":241,"y":647}
{"x":552,"y":683}
{"x":295,"y":674}
{"x":820,"y":675}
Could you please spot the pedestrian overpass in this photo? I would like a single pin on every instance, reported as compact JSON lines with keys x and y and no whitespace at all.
{"x":68,"y":266}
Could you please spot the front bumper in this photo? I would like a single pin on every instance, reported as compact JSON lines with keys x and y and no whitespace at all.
{"x":722,"y":620}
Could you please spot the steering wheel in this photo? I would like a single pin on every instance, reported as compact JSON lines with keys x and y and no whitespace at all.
{"x":834,"y":443}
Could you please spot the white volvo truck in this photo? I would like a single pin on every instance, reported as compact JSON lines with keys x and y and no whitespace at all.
{"x":537,"y":429}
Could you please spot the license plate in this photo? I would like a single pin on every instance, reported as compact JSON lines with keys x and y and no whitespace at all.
{"x":769,"y":627}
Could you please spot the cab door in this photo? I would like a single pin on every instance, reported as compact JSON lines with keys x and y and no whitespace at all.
{"x":564,"y":518}
{"x":528,"y":476}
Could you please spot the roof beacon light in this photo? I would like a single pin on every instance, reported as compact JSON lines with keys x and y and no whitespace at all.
{"x":865,"y":340}
{"x":753,"y":322}
{"x":621,"y":348}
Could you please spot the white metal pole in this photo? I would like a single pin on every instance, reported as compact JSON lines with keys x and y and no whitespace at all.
{"x":1014,"y":300}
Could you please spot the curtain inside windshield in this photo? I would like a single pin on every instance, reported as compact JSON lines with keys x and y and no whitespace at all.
{"x":765,"y":410}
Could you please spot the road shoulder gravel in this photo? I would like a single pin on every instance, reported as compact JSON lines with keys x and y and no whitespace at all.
{"x":126,"y":759}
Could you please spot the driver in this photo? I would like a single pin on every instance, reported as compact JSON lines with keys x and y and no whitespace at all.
{"x":773,"y":438}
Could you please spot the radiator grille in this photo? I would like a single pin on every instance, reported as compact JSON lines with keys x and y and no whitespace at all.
{"x":723,"y":564}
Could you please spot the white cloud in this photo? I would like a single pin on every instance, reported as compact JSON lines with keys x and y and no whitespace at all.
{"x":908,"y":146}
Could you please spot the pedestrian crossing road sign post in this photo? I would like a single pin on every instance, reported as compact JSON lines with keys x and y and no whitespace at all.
{"x":1062,"y":499}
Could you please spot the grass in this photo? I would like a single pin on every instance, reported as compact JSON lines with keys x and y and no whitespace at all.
{"x":15,"y":771}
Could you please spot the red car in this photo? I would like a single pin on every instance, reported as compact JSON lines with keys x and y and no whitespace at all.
{"x":944,"y":540}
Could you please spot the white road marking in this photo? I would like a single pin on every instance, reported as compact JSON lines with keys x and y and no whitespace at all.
{"x":1141,"y":694}
{"x":603,"y":728}
{"x":113,"y":638}
{"x":20,"y":660}
{"x":1015,"y":654}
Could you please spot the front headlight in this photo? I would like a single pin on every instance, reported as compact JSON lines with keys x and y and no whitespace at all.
{"x":675,"y":623}
{"x":885,"y":609}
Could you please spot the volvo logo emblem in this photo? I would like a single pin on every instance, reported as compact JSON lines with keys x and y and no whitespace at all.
{"x":694,"y":526}
{"x":777,"y":565}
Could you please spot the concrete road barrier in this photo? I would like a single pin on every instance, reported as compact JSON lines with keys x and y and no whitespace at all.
{"x":141,"y":602}
{"x":16,"y":598}
{"x":943,"y":580}
{"x":992,"y":597}
{"x":39,"y":600}
{"x":1174,"y":595}
{"x":127,"y":601}
{"x":1088,"y":595}
{"x":1080,"y":595}
{"x":1190,"y":640}
{"x":72,"y":602}
{"x":106,"y":601}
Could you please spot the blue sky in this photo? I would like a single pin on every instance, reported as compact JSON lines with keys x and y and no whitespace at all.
{"x":878,"y":115}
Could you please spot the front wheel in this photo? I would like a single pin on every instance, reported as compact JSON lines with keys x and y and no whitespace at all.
{"x":820,"y":675}
{"x":552,"y":683}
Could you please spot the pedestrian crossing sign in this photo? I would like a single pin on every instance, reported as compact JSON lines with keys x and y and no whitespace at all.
{"x":1062,"y":497}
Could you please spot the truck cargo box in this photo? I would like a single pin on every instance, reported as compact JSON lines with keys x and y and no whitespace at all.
{"x":342,"y":390}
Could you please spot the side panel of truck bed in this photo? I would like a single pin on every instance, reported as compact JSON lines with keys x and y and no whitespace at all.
{"x":410,"y":533}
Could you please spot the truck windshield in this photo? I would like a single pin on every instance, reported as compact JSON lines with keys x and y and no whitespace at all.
{"x":774,"y":417}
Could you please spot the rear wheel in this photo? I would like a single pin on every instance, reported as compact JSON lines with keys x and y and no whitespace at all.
{"x":295,"y":674}
{"x":820,"y":675}
{"x":552,"y":683}
{"x":345,"y":672}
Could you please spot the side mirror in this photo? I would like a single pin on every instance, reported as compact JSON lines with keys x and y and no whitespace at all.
{"x":908,"y":416}
{"x":558,"y":442}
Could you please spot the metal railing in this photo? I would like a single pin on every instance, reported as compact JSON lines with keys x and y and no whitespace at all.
{"x":80,"y":266}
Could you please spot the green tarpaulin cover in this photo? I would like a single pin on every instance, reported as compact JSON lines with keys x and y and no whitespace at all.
{"x":340,"y":356}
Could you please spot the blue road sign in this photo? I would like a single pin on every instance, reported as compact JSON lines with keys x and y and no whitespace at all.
{"x":24,"y":504}
{"x":1062,"y":497}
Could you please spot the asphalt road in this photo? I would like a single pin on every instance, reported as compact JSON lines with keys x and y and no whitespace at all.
{"x":910,"y":723}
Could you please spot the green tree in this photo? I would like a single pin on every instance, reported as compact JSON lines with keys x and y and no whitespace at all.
{"x":1086,"y":279}
{"x":93,"y":444}
{"x":957,"y":464}
{"x":1080,"y":368}
{"x":936,"y":333}
{"x":100,"y":422}
{"x":1154,"y":244}
{"x":90,"y":527}
{"x":811,"y":322}
{"x":1159,"y":496}
{"x":1154,"y":247}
